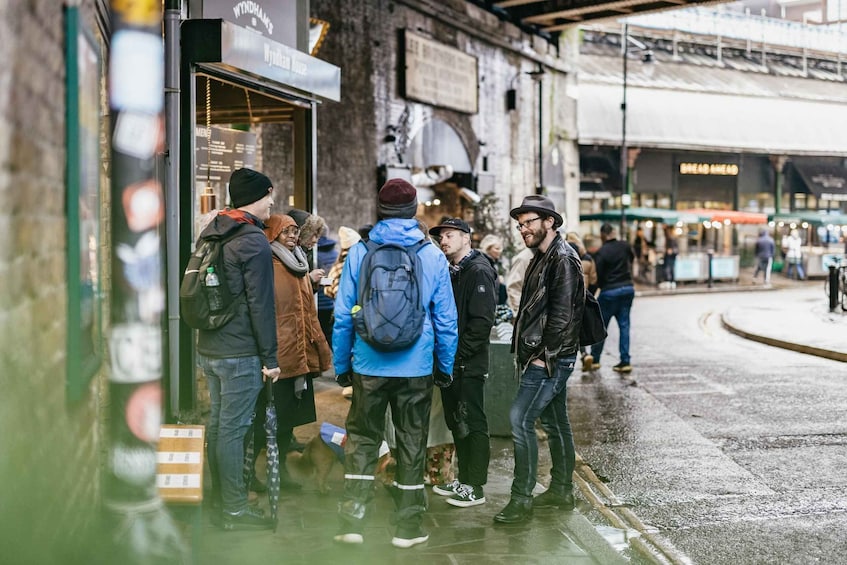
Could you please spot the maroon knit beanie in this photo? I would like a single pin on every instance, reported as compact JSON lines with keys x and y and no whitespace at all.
{"x":397,"y":199}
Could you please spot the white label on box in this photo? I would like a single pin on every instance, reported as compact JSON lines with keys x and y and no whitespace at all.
{"x":168,"y":480}
{"x":190,"y":457}
{"x":185,"y":433}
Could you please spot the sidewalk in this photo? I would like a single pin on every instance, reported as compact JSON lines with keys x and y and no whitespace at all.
{"x":457,"y":535}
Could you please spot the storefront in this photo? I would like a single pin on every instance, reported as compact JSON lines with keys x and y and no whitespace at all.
{"x":246,"y":100}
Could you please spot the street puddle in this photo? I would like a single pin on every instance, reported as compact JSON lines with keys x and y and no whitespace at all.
{"x":616,"y":537}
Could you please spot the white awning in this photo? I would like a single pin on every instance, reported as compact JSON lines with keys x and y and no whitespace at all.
{"x":675,"y":119}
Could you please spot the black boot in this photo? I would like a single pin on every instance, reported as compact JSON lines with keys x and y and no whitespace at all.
{"x":555,"y":498}
{"x":516,"y":512}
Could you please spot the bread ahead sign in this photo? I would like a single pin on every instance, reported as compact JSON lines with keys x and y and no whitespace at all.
{"x":438,"y":74}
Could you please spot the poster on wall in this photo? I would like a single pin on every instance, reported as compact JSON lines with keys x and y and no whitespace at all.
{"x":438,"y":74}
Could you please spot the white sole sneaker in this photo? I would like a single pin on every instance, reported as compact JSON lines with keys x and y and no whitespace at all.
{"x":349,"y":538}
{"x":465,"y":502}
{"x":404,"y":543}
{"x":443,"y":492}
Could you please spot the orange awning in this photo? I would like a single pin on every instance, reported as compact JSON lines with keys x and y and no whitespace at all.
{"x":733,"y":216}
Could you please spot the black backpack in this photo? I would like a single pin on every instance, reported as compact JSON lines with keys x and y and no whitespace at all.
{"x":389,"y":314}
{"x":193,"y":299}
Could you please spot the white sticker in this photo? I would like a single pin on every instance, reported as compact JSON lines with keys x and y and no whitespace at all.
{"x":137,"y":134}
{"x":137,"y":72}
{"x":136,"y":351}
{"x":181,"y":432}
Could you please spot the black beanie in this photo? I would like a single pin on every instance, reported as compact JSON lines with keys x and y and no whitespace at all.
{"x":247,"y":186}
{"x":300,"y":216}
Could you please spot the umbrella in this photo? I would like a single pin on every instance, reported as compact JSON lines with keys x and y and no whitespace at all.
{"x":273,"y":454}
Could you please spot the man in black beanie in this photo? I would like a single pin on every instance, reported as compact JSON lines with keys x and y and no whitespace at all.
{"x":238,"y":356}
{"x":403,"y":377}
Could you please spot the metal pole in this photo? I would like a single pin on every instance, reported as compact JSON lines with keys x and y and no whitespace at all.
{"x":624,"y":159}
{"x":172,"y":92}
{"x":833,"y":287}
{"x":142,"y":531}
{"x":540,"y":188}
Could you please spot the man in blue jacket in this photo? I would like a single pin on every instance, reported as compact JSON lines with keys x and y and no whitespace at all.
{"x":403,"y":378}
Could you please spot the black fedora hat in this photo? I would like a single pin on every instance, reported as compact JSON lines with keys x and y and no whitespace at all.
{"x":450,"y":223}
{"x":540,"y":204}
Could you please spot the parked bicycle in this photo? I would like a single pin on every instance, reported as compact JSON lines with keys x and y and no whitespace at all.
{"x":842,"y":284}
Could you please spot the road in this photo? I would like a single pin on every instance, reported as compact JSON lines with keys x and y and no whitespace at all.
{"x":728,"y":450}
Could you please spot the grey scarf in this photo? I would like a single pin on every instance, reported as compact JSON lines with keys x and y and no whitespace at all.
{"x":295,"y":261}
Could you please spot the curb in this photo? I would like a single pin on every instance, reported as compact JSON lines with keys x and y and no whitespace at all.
{"x":800,"y":348}
{"x":646,"y":542}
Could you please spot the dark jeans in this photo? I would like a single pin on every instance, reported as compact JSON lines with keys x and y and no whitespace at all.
{"x":410,"y":400}
{"x":668,"y":266}
{"x":234,"y":385}
{"x":540,"y":395}
{"x":474,"y":450}
{"x":616,"y":303}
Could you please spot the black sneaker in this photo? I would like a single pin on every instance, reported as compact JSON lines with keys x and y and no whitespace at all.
{"x":622,"y":368}
{"x":467,"y":495}
{"x":247,"y":519}
{"x":408,"y":536}
{"x":448,"y":489}
{"x":554,"y":499}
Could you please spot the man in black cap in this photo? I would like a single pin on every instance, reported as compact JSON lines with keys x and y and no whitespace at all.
{"x":546,"y":342}
{"x":474,"y":281}
{"x":239,"y":355}
{"x":402,"y":378}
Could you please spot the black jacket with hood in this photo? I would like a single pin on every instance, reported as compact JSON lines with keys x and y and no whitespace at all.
{"x":552,"y":302}
{"x":476,"y":300}
{"x":248,"y":268}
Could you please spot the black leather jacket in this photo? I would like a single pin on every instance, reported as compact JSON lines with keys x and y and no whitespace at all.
{"x":552,"y":303}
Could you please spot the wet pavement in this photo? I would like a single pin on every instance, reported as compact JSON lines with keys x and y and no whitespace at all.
{"x":457,"y":535}
{"x":716,"y":449}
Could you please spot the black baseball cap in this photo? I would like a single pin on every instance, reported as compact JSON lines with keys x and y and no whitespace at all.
{"x":450,"y":223}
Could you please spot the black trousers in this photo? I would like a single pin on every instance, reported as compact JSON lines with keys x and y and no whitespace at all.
{"x":473,"y":451}
{"x":410,"y":400}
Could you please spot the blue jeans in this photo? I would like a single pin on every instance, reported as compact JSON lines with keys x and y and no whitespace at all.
{"x":616,"y":303}
{"x":540,"y":395}
{"x":234,"y":385}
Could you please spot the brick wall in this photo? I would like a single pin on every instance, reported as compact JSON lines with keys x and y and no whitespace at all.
{"x":49,"y":477}
{"x":363,"y":41}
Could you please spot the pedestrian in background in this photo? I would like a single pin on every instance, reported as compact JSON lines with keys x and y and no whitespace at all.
{"x":327,"y":254}
{"x":545,"y":341}
{"x":311,"y":227}
{"x":614,"y":277}
{"x":491,"y":247}
{"x":794,"y":255}
{"x":515,"y":278}
{"x":402,"y":378}
{"x":473,"y":279}
{"x":765,"y":250}
{"x":671,"y":251}
{"x":589,"y":275}
{"x":235,"y":357}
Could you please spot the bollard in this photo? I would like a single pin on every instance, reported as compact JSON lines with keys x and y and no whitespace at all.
{"x":833,"y":288}
{"x":711,"y":254}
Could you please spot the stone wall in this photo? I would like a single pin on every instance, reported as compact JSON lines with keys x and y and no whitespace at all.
{"x":50,"y":449}
{"x":364,"y":41}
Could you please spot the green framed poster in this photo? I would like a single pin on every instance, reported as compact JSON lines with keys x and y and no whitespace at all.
{"x":82,"y":118}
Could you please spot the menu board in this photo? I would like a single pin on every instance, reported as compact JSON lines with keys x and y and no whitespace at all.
{"x":217,"y":156}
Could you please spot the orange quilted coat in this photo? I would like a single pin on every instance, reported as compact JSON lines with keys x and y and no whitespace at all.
{"x":302,"y":347}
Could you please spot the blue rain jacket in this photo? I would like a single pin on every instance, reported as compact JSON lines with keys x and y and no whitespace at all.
{"x":440,"y":333}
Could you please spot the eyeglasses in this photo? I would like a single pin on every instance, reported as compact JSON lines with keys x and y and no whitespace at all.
{"x":291,"y":231}
{"x":525,"y":225}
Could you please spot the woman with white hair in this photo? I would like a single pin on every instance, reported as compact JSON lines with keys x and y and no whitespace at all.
{"x":491,"y":247}
{"x":794,"y":255}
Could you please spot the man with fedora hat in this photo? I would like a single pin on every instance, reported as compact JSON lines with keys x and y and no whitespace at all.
{"x":546,"y":343}
{"x":402,"y":378}
{"x":235,"y":357}
{"x":474,"y":284}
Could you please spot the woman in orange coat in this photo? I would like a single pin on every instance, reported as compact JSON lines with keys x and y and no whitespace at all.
{"x":303,"y":352}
